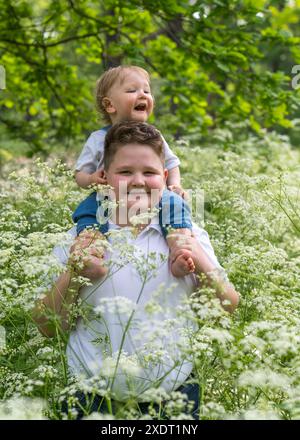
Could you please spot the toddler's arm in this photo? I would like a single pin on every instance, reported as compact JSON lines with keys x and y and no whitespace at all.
{"x":84,"y":180}
{"x":173,"y":177}
{"x":173,"y":182}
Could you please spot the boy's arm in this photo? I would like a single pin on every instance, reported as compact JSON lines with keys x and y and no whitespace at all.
{"x":214,"y":278}
{"x":53,"y":310}
{"x":56,"y":305}
{"x":203,"y":266}
{"x":84,"y":180}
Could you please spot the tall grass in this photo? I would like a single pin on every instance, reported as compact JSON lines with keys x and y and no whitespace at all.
{"x":247,"y":364}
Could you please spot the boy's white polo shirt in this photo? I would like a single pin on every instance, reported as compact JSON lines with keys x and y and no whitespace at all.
{"x":153,"y":347}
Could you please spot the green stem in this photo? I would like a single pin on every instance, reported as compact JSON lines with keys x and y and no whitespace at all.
{"x":124,"y":334}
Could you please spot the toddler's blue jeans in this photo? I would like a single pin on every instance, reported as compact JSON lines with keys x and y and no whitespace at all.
{"x":174,"y":213}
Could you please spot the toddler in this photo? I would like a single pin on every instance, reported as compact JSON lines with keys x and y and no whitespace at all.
{"x":123,"y":93}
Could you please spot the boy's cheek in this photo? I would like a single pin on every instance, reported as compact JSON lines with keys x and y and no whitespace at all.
{"x":156,"y":182}
{"x":118,"y":182}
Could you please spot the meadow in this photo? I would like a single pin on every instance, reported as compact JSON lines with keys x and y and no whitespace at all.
{"x":247,"y":364}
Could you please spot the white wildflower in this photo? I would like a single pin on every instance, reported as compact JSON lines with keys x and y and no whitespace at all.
{"x":22,"y":408}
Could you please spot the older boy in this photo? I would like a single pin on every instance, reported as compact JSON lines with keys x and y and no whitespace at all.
{"x":123,"y":93}
{"x":133,"y":157}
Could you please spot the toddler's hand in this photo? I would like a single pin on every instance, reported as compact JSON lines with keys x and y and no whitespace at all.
{"x":98,"y":178}
{"x":178,"y":190}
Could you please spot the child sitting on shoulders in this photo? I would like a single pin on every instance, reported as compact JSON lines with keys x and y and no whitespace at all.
{"x":123,"y":94}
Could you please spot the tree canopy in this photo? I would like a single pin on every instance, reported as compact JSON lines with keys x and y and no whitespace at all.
{"x":210,"y":62}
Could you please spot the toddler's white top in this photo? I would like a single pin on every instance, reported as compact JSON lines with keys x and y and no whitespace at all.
{"x":91,"y":157}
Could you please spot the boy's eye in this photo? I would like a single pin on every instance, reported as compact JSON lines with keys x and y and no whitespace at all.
{"x":130,"y":91}
{"x":149,"y":172}
{"x":124,"y":172}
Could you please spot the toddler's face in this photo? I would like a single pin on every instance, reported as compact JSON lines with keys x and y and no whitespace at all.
{"x":130,"y":100}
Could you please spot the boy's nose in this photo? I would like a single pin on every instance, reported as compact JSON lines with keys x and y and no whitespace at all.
{"x":137,"y":180}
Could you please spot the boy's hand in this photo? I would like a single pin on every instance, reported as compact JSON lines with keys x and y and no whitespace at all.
{"x":178,"y":190}
{"x":86,"y":255}
{"x":98,"y":178}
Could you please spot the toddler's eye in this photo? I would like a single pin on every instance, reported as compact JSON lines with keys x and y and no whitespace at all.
{"x":147,"y":91}
{"x":124,"y":172}
{"x":130,"y":91}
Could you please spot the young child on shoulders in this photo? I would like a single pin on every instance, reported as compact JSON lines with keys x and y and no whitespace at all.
{"x":124,"y":93}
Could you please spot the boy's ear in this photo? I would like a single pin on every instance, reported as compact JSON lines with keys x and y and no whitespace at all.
{"x":108,"y":105}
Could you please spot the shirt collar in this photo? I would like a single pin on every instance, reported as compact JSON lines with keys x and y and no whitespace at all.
{"x":154,"y":224}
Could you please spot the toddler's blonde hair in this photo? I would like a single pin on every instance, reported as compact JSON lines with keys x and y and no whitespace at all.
{"x":108,"y":79}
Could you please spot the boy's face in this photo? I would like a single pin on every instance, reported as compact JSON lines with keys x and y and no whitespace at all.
{"x":130,"y":100}
{"x":138,"y":177}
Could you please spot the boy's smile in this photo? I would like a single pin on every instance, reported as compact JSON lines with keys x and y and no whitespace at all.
{"x":138,"y":177}
{"x":129,"y":99}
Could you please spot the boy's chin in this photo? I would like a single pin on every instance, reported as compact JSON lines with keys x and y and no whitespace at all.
{"x":138,"y":207}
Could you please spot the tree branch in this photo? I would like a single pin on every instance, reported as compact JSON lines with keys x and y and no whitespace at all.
{"x":45,"y":46}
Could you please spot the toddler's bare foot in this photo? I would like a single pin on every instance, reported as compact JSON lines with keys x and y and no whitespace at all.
{"x":183,"y":265}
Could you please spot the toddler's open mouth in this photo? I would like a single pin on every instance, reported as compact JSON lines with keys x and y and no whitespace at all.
{"x":140,"y":107}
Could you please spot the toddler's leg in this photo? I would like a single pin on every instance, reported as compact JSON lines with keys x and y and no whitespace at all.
{"x":183,"y":264}
{"x":90,"y":234}
{"x":175,"y":214}
{"x":85,"y":215}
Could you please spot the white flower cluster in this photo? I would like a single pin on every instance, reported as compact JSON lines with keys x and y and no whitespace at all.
{"x":119,"y":305}
{"x":247,"y":364}
{"x":22,"y":408}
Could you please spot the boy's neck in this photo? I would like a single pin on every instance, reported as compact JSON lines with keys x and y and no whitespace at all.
{"x":122,"y":224}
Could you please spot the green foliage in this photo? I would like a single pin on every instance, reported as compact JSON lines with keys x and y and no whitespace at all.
{"x":221,"y":74}
{"x":211,"y":61}
{"x":247,"y":364}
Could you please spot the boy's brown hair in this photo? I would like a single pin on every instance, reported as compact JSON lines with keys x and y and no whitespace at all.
{"x":108,"y":79}
{"x":132,"y":132}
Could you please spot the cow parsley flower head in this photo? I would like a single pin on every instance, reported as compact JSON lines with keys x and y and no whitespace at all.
{"x":22,"y":408}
